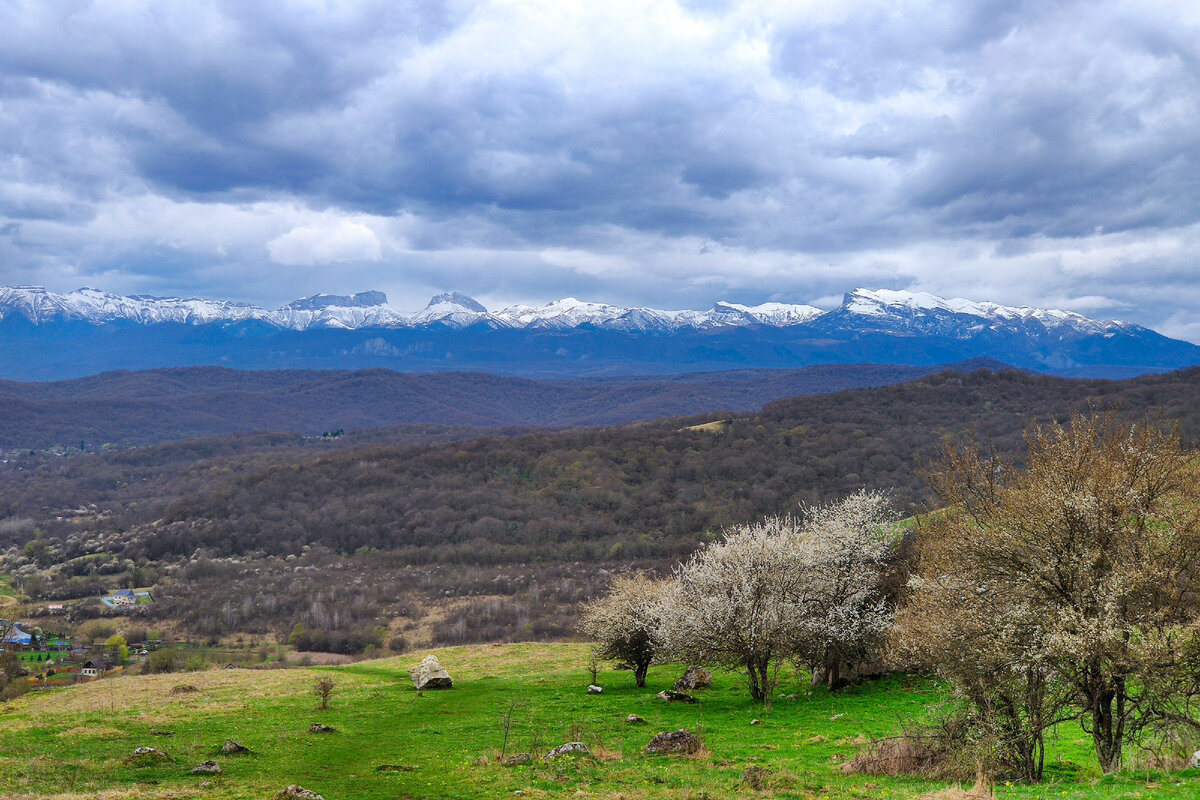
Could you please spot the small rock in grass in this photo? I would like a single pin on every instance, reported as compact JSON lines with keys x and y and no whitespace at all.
{"x":672,"y":696}
{"x":230,"y":747}
{"x":205,"y":784}
{"x":756,"y":722}
{"x":207,"y":768}
{"x":594,"y":689}
{"x":634,"y":719}
{"x":1195,"y":762}
{"x":146,"y":753}
{"x":568,"y":749}
{"x":694,"y":678}
{"x":517,"y":760}
{"x":395,"y":768}
{"x":318,"y":727}
{"x":680,"y":741}
{"x":295,"y":792}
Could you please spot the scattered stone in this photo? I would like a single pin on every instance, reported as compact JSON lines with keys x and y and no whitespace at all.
{"x":517,"y":760}
{"x":231,"y":747}
{"x":1195,"y":762}
{"x":567,"y":749}
{"x":680,"y":742}
{"x":395,"y":768}
{"x":672,"y":696}
{"x":756,"y":722}
{"x":183,"y":688}
{"x":694,"y":678}
{"x":318,"y":727}
{"x":205,"y":784}
{"x":207,"y":768}
{"x":836,"y":717}
{"x":295,"y":792}
{"x":143,"y":754}
{"x":757,"y":778}
{"x":594,"y":689}
{"x":430,"y":674}
{"x":162,"y":733}
{"x":634,"y":719}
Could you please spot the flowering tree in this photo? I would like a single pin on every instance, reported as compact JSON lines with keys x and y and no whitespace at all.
{"x":782,"y":589}
{"x":624,"y":624}
{"x":1078,"y":573}
{"x":845,"y":614}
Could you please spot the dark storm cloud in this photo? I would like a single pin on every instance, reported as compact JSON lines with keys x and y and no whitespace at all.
{"x":637,"y":151}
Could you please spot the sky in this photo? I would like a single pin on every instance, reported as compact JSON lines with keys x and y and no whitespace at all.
{"x":635,"y":152}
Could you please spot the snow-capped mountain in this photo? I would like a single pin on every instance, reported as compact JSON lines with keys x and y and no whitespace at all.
{"x":892,"y":310}
{"x":372,"y":310}
{"x":48,"y":335}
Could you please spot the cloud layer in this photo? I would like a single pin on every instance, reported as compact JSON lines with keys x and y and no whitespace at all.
{"x":664,"y":153}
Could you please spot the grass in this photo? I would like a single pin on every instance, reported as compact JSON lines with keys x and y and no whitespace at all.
{"x":8,"y":595}
{"x":75,"y":743}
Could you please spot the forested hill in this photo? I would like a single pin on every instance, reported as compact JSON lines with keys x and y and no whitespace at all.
{"x":652,"y":489}
{"x":494,"y":537}
{"x":140,"y":408}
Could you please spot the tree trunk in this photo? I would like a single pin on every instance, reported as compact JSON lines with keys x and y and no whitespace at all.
{"x":639,"y":673}
{"x":1106,"y":707}
{"x":760,"y":679}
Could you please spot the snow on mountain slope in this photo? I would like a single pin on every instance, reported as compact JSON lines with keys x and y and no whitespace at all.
{"x":923,"y":311}
{"x":883,"y":309}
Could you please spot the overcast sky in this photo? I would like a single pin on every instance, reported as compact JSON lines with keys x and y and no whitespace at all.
{"x":627,"y":151}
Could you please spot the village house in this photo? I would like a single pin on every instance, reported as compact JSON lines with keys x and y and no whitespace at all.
{"x":92,"y":668}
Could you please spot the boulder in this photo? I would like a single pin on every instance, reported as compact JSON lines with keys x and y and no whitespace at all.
{"x":634,"y":719}
{"x":694,"y":678}
{"x":230,"y":747}
{"x":568,"y":749}
{"x":675,"y":697}
{"x":430,"y":674}
{"x":207,"y":768}
{"x":675,"y":742}
{"x":594,"y":689}
{"x":295,"y":792}
{"x":517,"y":760}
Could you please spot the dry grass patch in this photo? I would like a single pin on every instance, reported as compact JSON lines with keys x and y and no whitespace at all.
{"x":98,"y":731}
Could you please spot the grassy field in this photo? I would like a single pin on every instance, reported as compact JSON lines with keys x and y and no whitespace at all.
{"x":394,"y":743}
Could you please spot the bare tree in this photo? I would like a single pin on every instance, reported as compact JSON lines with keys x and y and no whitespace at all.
{"x":323,"y":687}
{"x":1078,"y":572}
{"x":624,"y":624}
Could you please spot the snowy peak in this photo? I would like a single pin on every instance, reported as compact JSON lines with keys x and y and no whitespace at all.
{"x":450,"y":308}
{"x":318,"y":302}
{"x":457,"y":299}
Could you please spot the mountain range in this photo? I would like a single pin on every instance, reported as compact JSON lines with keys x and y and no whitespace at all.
{"x":50,"y":336}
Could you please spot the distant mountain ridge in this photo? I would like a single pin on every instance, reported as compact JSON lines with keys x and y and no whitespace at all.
{"x":49,"y":336}
{"x":139,"y":408}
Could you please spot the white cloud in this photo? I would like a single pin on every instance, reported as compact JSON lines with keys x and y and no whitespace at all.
{"x":308,"y":245}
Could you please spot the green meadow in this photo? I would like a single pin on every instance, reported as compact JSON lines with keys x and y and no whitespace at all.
{"x":393,"y":742}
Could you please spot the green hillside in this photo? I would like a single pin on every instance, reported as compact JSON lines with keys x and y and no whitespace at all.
{"x":392,"y":742}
